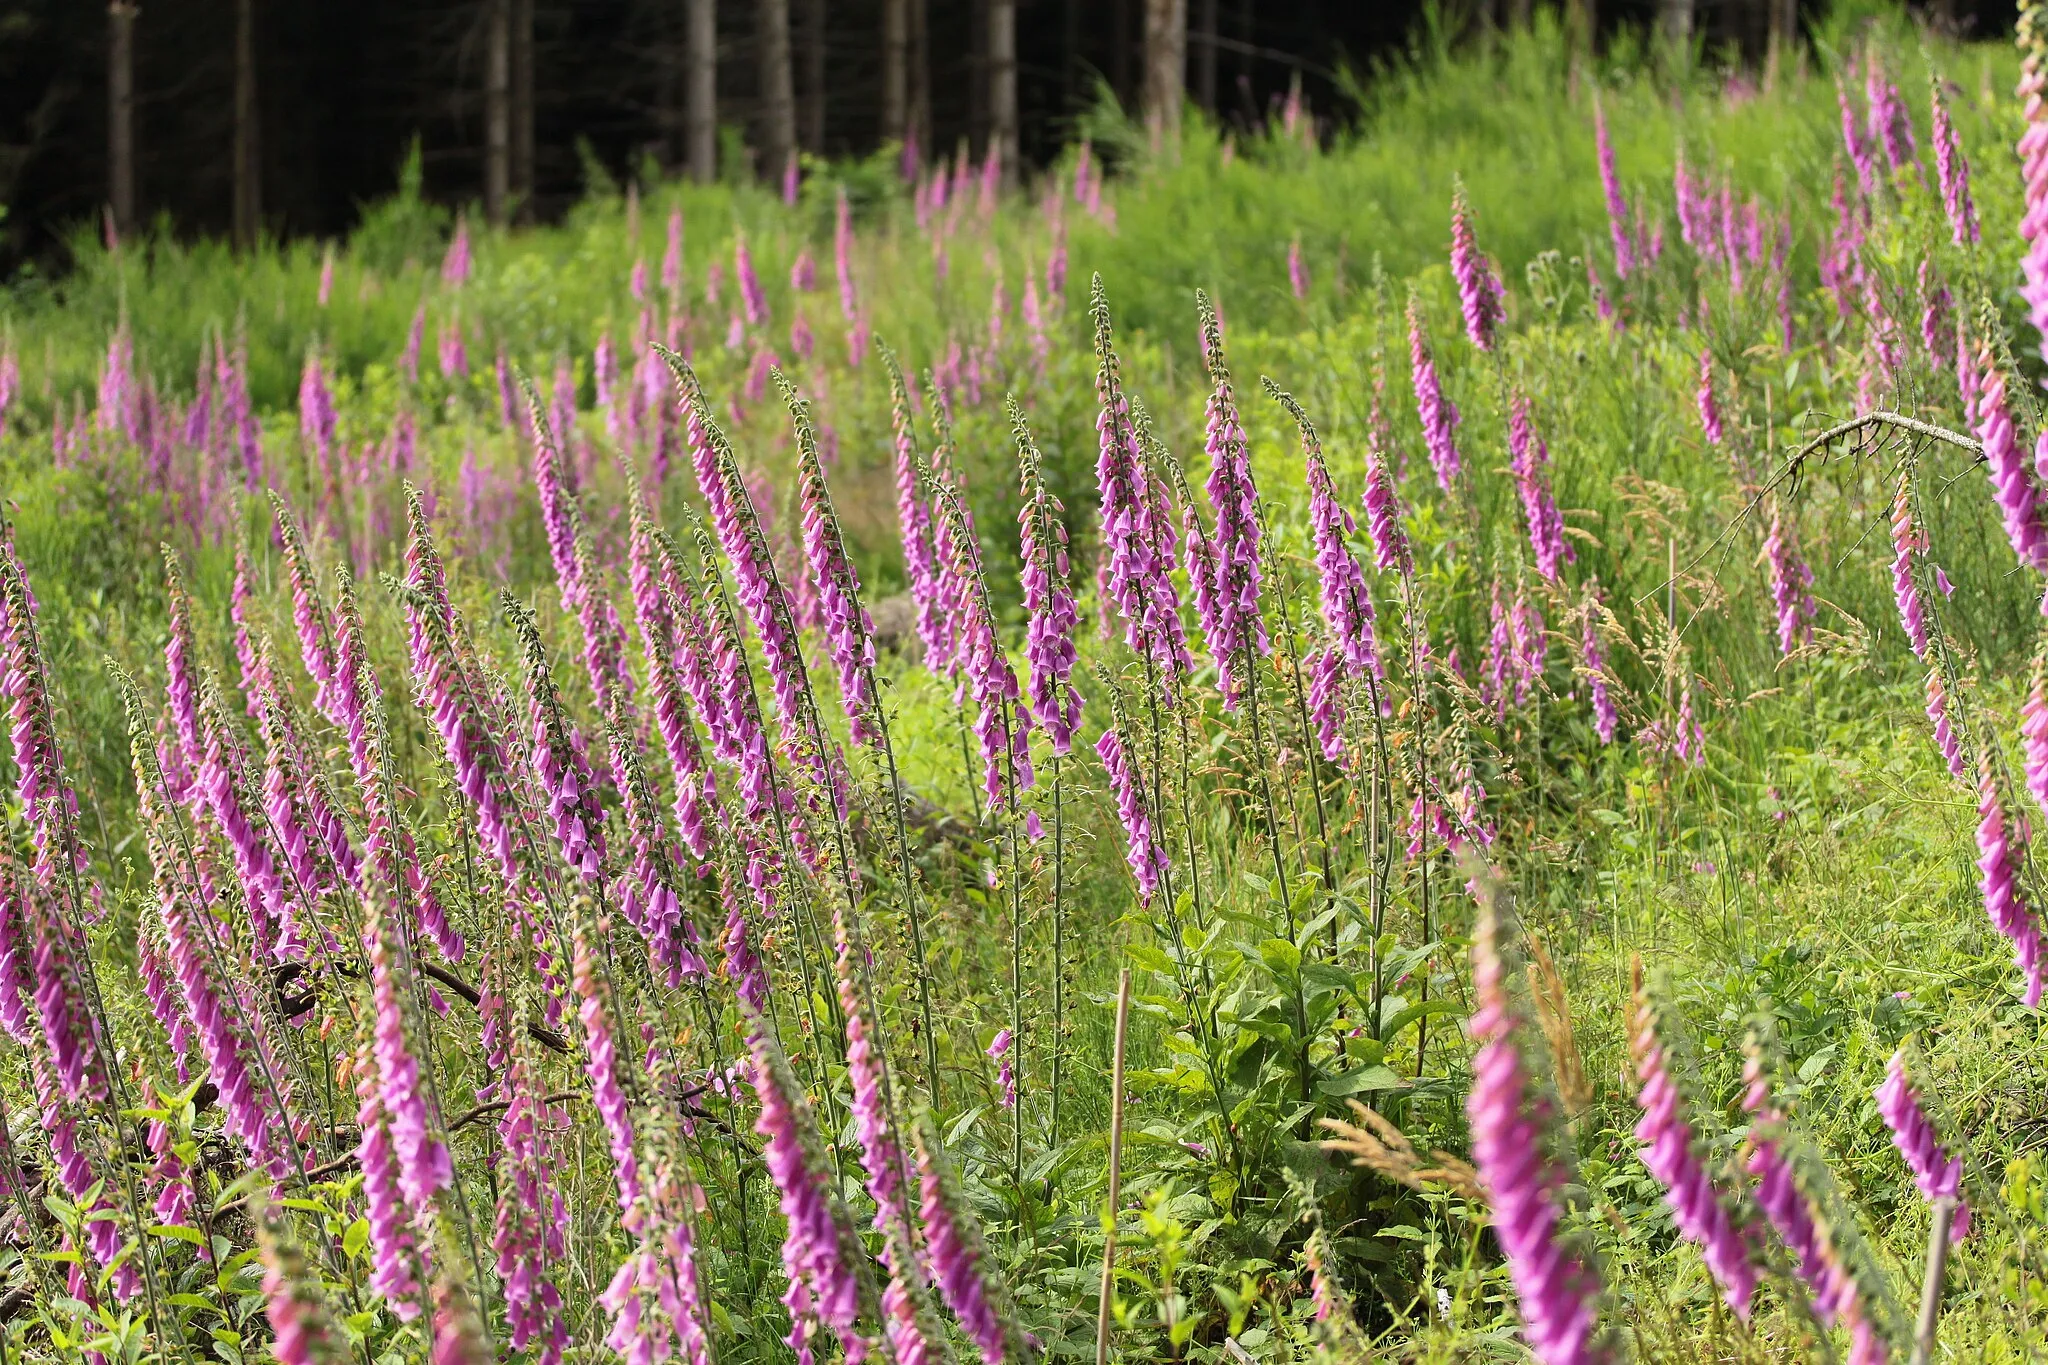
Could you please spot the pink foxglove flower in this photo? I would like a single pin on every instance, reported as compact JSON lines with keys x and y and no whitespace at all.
{"x":1439,"y":415}
{"x":842,"y":258}
{"x":453,"y":356}
{"x":409,"y":358}
{"x":821,"y":1252}
{"x":848,"y":631}
{"x":2013,"y":486}
{"x":882,"y":1154}
{"x":1617,"y":205}
{"x":751,"y":295}
{"x":1342,"y":594}
{"x":1710,"y":410}
{"x":1480,"y":294}
{"x":1952,"y":171}
{"x":1860,"y":154}
{"x":393,"y":1248}
{"x":1890,"y":126}
{"x":1791,"y":585}
{"x":455,"y":265}
{"x":1142,"y":851}
{"x":1006,"y":1076}
{"x":1908,"y":542}
{"x":1051,"y":613}
{"x":1238,"y":637}
{"x":1671,"y":1151}
{"x":2033,"y":152}
{"x":303,"y":1330}
{"x":1947,"y":738}
{"x":914,"y":524}
{"x":2034,"y":731}
{"x":966,"y":1274}
{"x":1998,"y":865}
{"x":1390,"y":549}
{"x":657,"y":591}
{"x":1558,"y":1289}
{"x":1788,"y":1207}
{"x":672,"y":259}
{"x":1002,"y":721}
{"x":1593,"y":662}
{"x":1133,"y":568}
{"x":1531,"y":464}
{"x":1937,"y":1174}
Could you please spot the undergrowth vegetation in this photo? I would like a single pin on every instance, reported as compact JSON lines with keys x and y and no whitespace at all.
{"x":1412,"y":738}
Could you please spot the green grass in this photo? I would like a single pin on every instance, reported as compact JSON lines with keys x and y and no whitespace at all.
{"x":1817,"y":871}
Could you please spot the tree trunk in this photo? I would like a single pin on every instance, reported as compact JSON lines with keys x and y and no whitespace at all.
{"x":497,"y":110}
{"x":248,"y":166}
{"x":1166,"y":64}
{"x":1674,"y":22}
{"x":920,"y":75}
{"x":1205,"y":55}
{"x":814,"y":76}
{"x":895,"y":70}
{"x":1785,"y":24}
{"x":1002,"y":86}
{"x":1581,"y":25}
{"x":778,"y":92}
{"x":1070,"y":59}
{"x":521,"y":151}
{"x":121,"y":116}
{"x":700,"y":95}
{"x":1120,"y":51}
{"x":1248,"y":35}
{"x":977,"y":73}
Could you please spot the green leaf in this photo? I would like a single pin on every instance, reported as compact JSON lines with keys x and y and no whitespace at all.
{"x":1420,"y":1010}
{"x":1405,"y":1232}
{"x":1150,"y":958}
{"x":1280,"y":956}
{"x":1362,"y":1081}
{"x":183,"y":1234}
{"x":356,"y":1238}
{"x":962,"y":1124}
{"x":1325,"y":976}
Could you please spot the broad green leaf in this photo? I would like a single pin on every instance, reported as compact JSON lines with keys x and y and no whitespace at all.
{"x":1363,"y":1080}
{"x":1281,"y":956}
{"x":1420,"y":1010}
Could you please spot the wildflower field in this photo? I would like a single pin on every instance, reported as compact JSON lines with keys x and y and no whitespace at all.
{"x":1403,"y":736}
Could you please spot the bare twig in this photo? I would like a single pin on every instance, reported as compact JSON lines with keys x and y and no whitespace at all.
{"x":540,"y":1033}
{"x":1116,"y":1165}
{"x":1930,"y":1288}
{"x":1884,"y":418}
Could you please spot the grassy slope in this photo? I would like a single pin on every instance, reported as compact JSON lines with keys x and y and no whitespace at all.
{"x":1821,"y":861}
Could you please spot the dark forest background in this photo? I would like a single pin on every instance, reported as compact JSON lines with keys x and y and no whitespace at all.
{"x":343,"y":87}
